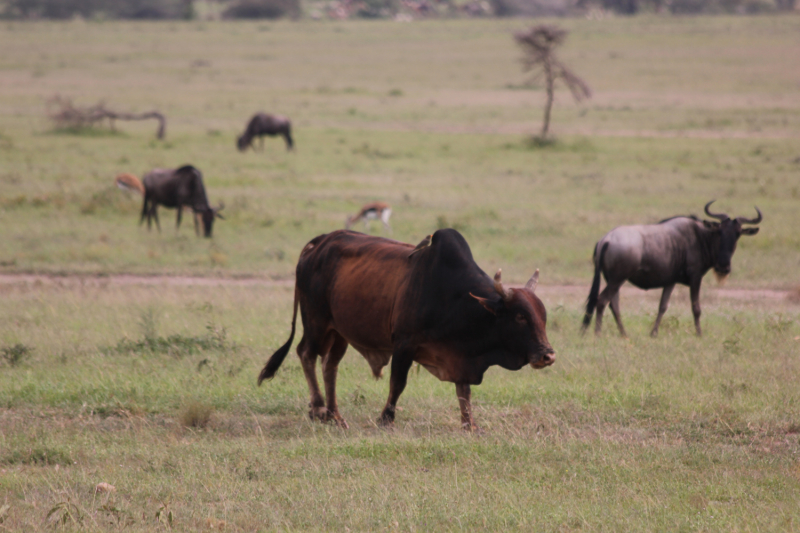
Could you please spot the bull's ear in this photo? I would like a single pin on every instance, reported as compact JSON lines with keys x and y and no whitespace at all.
{"x":749,"y":231}
{"x":487,"y":304}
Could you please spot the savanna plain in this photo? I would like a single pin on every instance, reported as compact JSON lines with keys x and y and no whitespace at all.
{"x":148,"y":383}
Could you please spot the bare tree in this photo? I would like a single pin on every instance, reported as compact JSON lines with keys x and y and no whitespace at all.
{"x":539,"y":43}
{"x":66,"y":115}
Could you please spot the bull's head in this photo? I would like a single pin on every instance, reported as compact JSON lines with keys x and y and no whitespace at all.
{"x":522,"y":319}
{"x":729,"y":229}
{"x":209,"y":214}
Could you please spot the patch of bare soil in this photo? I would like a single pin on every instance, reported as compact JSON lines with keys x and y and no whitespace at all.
{"x":189,"y":281}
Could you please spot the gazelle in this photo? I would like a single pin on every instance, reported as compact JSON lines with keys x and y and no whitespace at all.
{"x":372,"y":211}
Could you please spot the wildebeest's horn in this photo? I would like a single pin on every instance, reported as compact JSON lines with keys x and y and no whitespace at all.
{"x":498,"y":286}
{"x":533,"y":282}
{"x":722,"y":216}
{"x":743,"y":220}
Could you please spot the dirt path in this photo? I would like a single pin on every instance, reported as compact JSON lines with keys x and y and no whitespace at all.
{"x":91,"y":280}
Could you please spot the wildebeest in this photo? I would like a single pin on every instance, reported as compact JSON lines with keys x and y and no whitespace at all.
{"x":676,"y":250}
{"x":174,"y":188}
{"x":372,"y":211}
{"x":431,"y":304}
{"x":263,"y":124}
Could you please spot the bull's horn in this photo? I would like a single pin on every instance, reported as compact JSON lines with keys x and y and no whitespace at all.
{"x":498,"y":286}
{"x":743,"y":220}
{"x":533,"y":282}
{"x":722,"y":216}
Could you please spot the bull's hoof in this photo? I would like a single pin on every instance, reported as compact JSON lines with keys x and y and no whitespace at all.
{"x":386,"y":420}
{"x":319,"y":413}
{"x":339,"y":421}
{"x":323,"y":414}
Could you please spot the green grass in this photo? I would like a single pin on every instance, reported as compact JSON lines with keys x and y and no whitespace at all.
{"x":672,"y":433}
{"x":684,"y":111}
{"x":152,"y":388}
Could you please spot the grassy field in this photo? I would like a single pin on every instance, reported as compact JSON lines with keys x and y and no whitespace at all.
{"x":151,"y":388}
{"x":431,"y":117}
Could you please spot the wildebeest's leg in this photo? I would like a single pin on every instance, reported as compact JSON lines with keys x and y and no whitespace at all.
{"x":401,"y":363}
{"x":694,"y":293}
{"x":196,"y":223}
{"x":614,"y":305}
{"x":463,"y":393}
{"x":178,"y":220}
{"x":330,"y":367}
{"x":145,"y":213}
{"x":662,"y":308}
{"x":602,"y":301}
{"x":154,"y":212}
{"x":308,"y":358}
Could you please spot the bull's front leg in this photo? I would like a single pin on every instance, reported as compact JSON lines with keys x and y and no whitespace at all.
{"x":463,"y":393}
{"x":401,"y":363}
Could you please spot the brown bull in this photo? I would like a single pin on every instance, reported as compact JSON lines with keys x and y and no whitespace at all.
{"x":431,"y":304}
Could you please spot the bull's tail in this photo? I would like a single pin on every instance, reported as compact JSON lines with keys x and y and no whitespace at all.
{"x":274,"y":363}
{"x":129,"y":182}
{"x":592,"y":301}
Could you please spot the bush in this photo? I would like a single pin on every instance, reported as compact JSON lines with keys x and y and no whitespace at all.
{"x":262,"y":9}
{"x":374,"y":9}
{"x":123,"y":9}
{"x":530,"y":8}
{"x":13,"y":355}
{"x":722,"y":6}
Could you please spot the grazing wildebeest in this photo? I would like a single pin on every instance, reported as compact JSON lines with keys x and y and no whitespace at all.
{"x":431,"y":304}
{"x":676,"y":250}
{"x":262,"y":124}
{"x":372,"y":211}
{"x":174,"y":188}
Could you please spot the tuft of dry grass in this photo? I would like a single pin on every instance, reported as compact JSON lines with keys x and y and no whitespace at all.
{"x":195,"y":414}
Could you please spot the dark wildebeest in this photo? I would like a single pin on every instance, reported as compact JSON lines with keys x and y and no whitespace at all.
{"x":262,"y":124}
{"x":174,"y":188}
{"x":431,"y":304}
{"x":372,"y":211}
{"x":676,"y":250}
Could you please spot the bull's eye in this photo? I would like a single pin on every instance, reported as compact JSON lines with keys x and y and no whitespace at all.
{"x":520,"y":318}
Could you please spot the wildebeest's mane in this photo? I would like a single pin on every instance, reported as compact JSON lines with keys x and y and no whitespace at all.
{"x":693,"y":217}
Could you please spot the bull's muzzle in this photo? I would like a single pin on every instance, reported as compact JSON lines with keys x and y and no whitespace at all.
{"x":547,"y":358}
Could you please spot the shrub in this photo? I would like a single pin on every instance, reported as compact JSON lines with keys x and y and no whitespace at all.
{"x":262,"y":9}
{"x":13,"y":355}
{"x":123,"y":9}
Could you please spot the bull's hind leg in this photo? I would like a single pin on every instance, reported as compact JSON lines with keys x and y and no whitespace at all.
{"x":308,"y":359}
{"x":330,"y":367}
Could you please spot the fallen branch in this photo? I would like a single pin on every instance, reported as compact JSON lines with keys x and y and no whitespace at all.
{"x":66,"y":115}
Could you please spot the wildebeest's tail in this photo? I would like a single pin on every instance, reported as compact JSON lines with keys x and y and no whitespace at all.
{"x":592,"y":302}
{"x":129,"y":182}
{"x":274,"y":363}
